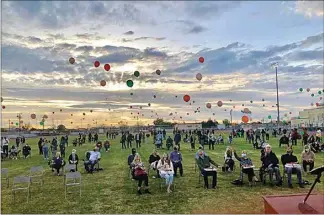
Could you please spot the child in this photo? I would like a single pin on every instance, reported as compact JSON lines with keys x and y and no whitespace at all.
{"x":107,"y":145}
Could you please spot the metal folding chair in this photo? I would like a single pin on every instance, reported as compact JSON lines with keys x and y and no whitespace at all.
{"x":72,"y":179}
{"x":68,"y":169}
{"x":36,"y":174}
{"x":5,"y":175}
{"x":21,"y":183}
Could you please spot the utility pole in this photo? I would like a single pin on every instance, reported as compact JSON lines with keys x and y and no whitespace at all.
{"x":277,"y":87}
{"x":231,"y":117}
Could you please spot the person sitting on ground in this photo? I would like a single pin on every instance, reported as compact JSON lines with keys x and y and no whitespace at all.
{"x":153,"y":161}
{"x":93,"y":160}
{"x":13,"y":152}
{"x":229,"y":159}
{"x":176,"y":158}
{"x":26,"y":151}
{"x":131,"y":157}
{"x":169,"y":143}
{"x":291,"y":165}
{"x":308,"y":158}
{"x":74,"y":159}
{"x":204,"y":164}
{"x":140,"y":174}
{"x":57,"y":163}
{"x":166,"y":170}
{"x":247,"y":166}
{"x":271,"y":164}
{"x":107,"y":145}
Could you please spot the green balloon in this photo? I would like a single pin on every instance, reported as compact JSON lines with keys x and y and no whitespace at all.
{"x":269,"y":117}
{"x":136,"y":73}
{"x":41,"y":123}
{"x":319,"y":92}
{"x":130,"y":83}
{"x":312,"y":95}
{"x":301,"y":89}
{"x":284,"y":122}
{"x":16,"y":123}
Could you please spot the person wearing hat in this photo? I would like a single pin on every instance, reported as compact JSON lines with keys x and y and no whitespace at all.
{"x":291,"y":165}
{"x":308,"y":158}
{"x":74,"y":159}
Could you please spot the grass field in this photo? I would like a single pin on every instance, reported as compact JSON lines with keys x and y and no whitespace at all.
{"x":111,"y":190}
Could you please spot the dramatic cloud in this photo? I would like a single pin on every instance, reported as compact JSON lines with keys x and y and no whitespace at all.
{"x":310,"y":8}
{"x":129,"y":33}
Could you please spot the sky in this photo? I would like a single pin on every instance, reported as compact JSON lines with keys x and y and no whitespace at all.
{"x":238,"y":40}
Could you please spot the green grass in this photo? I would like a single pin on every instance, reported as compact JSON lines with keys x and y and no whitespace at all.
{"x":111,"y":191}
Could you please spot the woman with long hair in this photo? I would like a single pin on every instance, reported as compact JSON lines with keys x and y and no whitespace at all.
{"x":140,"y":174}
{"x":166,"y":170}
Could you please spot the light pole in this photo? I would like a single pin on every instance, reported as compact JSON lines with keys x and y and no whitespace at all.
{"x":276,"y":67}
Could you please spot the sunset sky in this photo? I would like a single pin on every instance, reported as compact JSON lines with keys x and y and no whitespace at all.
{"x":238,"y":40}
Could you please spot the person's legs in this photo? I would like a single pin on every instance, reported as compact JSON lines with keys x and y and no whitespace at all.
{"x":311,"y":166}
{"x":305,"y":165}
{"x":214,"y":175}
{"x":230,"y":164}
{"x":175,"y":167}
{"x":270,"y":172}
{"x":278,"y":176}
{"x":180,"y":168}
{"x":289,"y":172}
{"x":204,"y":173}
{"x":299,"y":175}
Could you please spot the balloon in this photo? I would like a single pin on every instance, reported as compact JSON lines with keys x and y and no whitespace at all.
{"x":312,"y":104}
{"x":71,"y":114}
{"x":136,"y":73}
{"x":312,"y":95}
{"x":97,"y":64}
{"x":199,"y":76}
{"x":289,"y":112}
{"x":251,"y":101}
{"x":243,"y":105}
{"x":245,"y":119}
{"x":263,"y":105}
{"x":71,"y":122}
{"x":33,"y":116}
{"x":230,"y":100}
{"x":214,"y":114}
{"x":103,"y":83}
{"x":176,"y":96}
{"x":187,"y":113}
{"x":41,"y":123}
{"x":1,"y":99}
{"x":317,"y":104}
{"x":269,"y":117}
{"x":154,"y":96}
{"x":246,"y":110}
{"x":307,"y":89}
{"x":193,"y":102}
{"x":83,"y":114}
{"x":319,"y":92}
{"x":201,"y":59}
{"x":131,"y":94}
{"x":186,"y":98}
{"x":130,"y":107}
{"x":130,"y":83}
{"x":220,"y":103}
{"x":60,"y":110}
{"x":3,"y":107}
{"x":90,"y":111}
{"x":263,"y":100}
{"x":208,"y":105}
{"x":11,"y":123}
{"x":16,"y":123}
{"x":72,"y":60}
{"x":107,"y":67}
{"x":301,"y":89}
{"x":158,"y":72}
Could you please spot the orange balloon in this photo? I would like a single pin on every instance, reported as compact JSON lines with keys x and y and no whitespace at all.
{"x":208,"y":105}
{"x":33,"y":116}
{"x":186,"y":98}
{"x":245,"y":119}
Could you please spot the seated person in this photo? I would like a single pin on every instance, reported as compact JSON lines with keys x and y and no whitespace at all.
{"x":13,"y":152}
{"x":284,"y":140}
{"x":107,"y":145}
{"x":93,"y":160}
{"x":131,"y":157}
{"x":308,"y":158}
{"x":165,"y":168}
{"x":229,"y":159}
{"x":140,"y":174}
{"x":57,"y":163}
{"x":197,"y":153}
{"x":315,"y":147}
{"x":291,"y":159}
{"x":220,"y":139}
{"x":245,"y":163}
{"x":26,"y":151}
{"x":176,"y":158}
{"x":99,"y":145}
{"x":75,"y":142}
{"x":169,"y":143}
{"x":311,"y":139}
{"x":270,"y":163}
{"x":203,"y":163}
{"x":74,"y":159}
{"x":153,"y":160}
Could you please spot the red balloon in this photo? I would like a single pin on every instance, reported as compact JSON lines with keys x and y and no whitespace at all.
{"x":3,"y":107}
{"x":107,"y":67}
{"x":245,"y":119}
{"x":317,"y":104}
{"x":208,"y":105}
{"x":220,"y":103}
{"x":130,"y":107}
{"x":72,"y":60}
{"x":201,"y":59}
{"x":97,"y":64}
{"x":289,"y":112}
{"x":186,"y":98}
{"x":233,"y":106}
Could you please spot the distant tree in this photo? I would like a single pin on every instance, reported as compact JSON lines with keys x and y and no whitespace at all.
{"x":160,"y":121}
{"x":61,"y":128}
{"x":209,"y":123}
{"x":226,"y":122}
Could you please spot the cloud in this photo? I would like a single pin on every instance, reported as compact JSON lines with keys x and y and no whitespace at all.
{"x":196,"y":30}
{"x":129,"y":33}
{"x":310,"y":8}
{"x":143,"y":38}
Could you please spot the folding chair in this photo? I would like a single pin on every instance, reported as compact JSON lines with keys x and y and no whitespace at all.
{"x":256,"y":170}
{"x":68,"y":168}
{"x":74,"y":176}
{"x":163,"y":184}
{"x":36,"y":172}
{"x":21,"y":183}
{"x":5,"y":175}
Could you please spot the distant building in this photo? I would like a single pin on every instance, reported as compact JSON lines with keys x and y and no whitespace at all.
{"x":309,"y":118}
{"x":188,"y":126}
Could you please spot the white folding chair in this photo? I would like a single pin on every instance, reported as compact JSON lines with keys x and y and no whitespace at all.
{"x":72,"y":179}
{"x":5,"y":175}
{"x":21,"y":183}
{"x":36,"y":174}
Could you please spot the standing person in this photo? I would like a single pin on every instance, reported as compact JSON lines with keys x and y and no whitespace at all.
{"x":62,"y":149}
{"x":169,"y":143}
{"x":17,"y":141}
{"x":123,"y":140}
{"x":267,"y":135}
{"x":294,"y":137}
{"x":192,"y":141}
{"x":107,"y":145}
{"x":176,"y":158}
{"x":129,"y":140}
{"x":165,"y":168}
{"x":23,"y":140}
{"x":153,"y":160}
{"x":5,"y":146}
{"x":89,"y":137}
{"x":257,"y":136}
{"x":138,"y":140}
{"x":211,"y":141}
{"x":164,"y":134}
{"x":45,"y":149}
{"x":263,"y":133}
{"x":54,"y":146}
{"x":67,"y":139}
{"x":177,"y":139}
{"x":308,"y":158}
{"x":305,"y":137}
{"x":40,"y":145}
{"x":205,"y":163}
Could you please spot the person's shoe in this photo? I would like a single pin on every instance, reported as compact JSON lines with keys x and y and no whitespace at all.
{"x":153,"y":176}
{"x":214,"y":188}
{"x":290,"y":186}
{"x":301,"y":185}
{"x":139,"y":192}
{"x":147,"y":191}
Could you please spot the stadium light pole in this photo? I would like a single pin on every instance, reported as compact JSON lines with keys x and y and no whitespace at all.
{"x":275,"y":65}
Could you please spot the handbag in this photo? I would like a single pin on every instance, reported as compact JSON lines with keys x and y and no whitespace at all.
{"x":139,"y":172}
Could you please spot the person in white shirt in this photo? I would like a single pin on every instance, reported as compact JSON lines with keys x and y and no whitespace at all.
{"x":318,"y":135}
{"x":5,"y":146}
{"x":211,"y":141}
{"x":166,"y":170}
{"x":93,"y":160}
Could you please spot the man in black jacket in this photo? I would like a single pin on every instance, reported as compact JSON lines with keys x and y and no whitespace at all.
{"x":284,"y":140}
{"x":271,"y":163}
{"x":292,"y":167}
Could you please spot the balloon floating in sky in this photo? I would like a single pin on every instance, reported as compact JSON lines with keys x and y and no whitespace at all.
{"x":91,"y":111}
{"x":72,"y":60}
{"x":199,"y":76}
{"x":130,"y":107}
{"x":97,"y":64}
{"x":103,"y":83}
{"x":201,"y":59}
{"x":230,"y":100}
{"x":263,"y":100}
{"x":263,"y":105}
{"x":312,"y":95}
{"x":208,"y":105}
{"x":33,"y":116}
{"x":131,"y":94}
{"x":269,"y":117}
{"x":3,"y":107}
{"x":214,"y":114}
{"x":61,"y":110}
{"x":243,"y":105}
{"x":136,"y":74}
{"x":71,"y":114}
{"x":317,"y":104}
{"x":107,"y":67}
{"x":312,"y":104}
{"x":219,"y":103}
{"x":130,"y":83}
{"x":176,"y":96}
{"x":84,"y":114}
{"x":319,"y":92}
{"x":53,"y":112}
{"x":246,"y":110}
{"x":149,"y":104}
{"x":158,"y":72}
{"x":41,"y":123}
{"x":301,"y":89}
{"x":245,"y":119}
{"x":251,"y":101}
{"x":186,"y":98}
{"x":307,"y":89}
{"x":154,"y":96}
